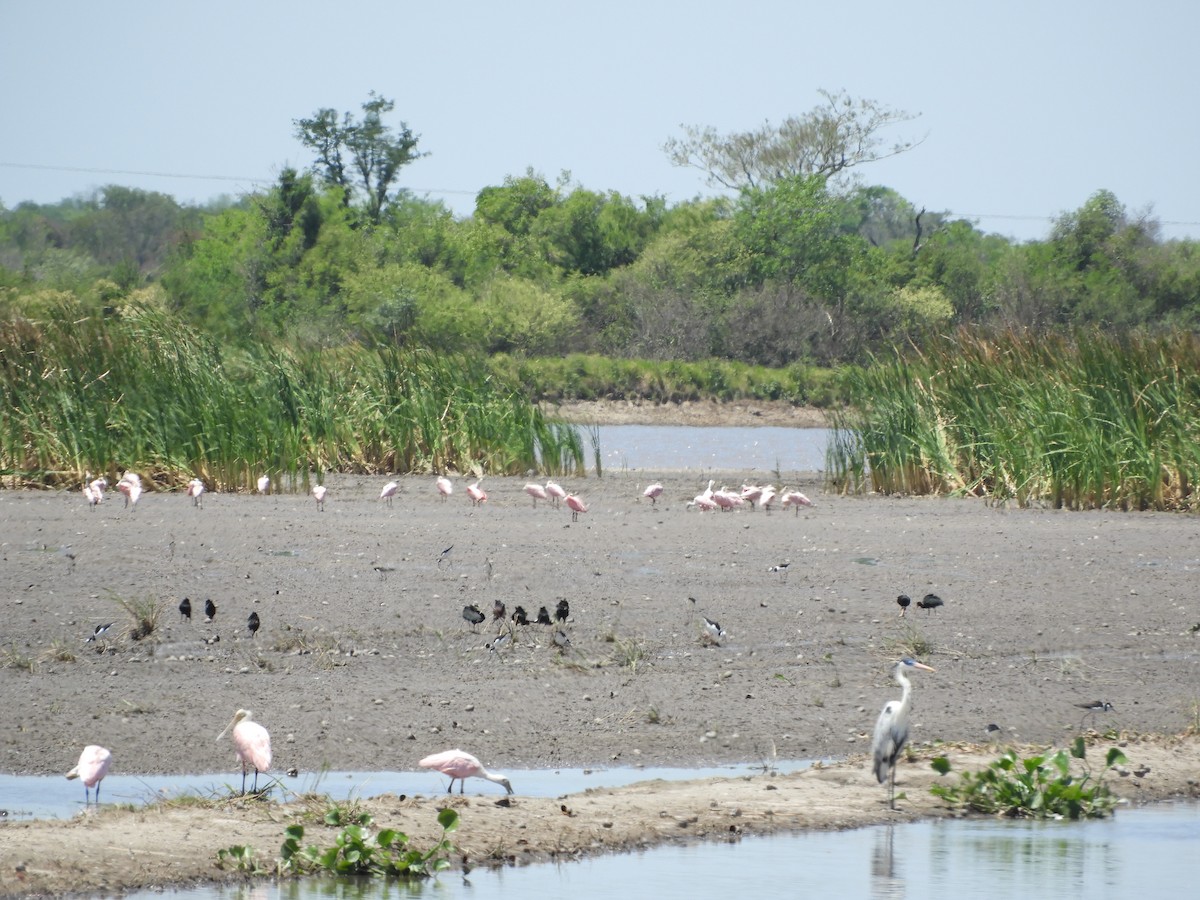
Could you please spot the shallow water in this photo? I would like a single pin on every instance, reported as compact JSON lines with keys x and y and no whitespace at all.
{"x":687,"y":447}
{"x":1149,"y":852}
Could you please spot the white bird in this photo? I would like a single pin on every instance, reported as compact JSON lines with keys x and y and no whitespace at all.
{"x":714,"y":629}
{"x":318,"y":493}
{"x":92,"y":767}
{"x":445,"y":488}
{"x":264,"y":484}
{"x":891,"y":729}
{"x":766,"y":498}
{"x":195,"y":490}
{"x":461,"y":765}
{"x":389,"y":491}
{"x":93,"y":496}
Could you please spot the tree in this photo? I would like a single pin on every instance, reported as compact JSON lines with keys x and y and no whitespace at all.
{"x":364,"y":155}
{"x":833,"y":136}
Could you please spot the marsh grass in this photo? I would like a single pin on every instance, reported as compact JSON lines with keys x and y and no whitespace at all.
{"x":12,"y":657}
{"x":1082,"y":421}
{"x":911,"y":643}
{"x":144,"y":611}
{"x":140,"y":390}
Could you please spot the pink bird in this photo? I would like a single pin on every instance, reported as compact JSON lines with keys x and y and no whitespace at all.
{"x":131,"y":486}
{"x":577,"y":506}
{"x":92,"y":767}
{"x":460,"y":766}
{"x":556,"y":492}
{"x":727,"y":499}
{"x":93,"y":496}
{"x":389,"y":491}
{"x":253,"y":745}
{"x":264,"y":484}
{"x":445,"y":488}
{"x":318,"y":493}
{"x":654,"y":491}
{"x":537,"y":492}
{"x":766,"y":498}
{"x":195,"y":490}
{"x":796,"y":499}
{"x":477,"y":494}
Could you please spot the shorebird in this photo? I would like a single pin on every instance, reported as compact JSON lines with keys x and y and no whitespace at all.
{"x":781,"y":569}
{"x":561,"y":641}
{"x":477,"y":494}
{"x":714,"y":630}
{"x":444,"y":486}
{"x":444,"y":556}
{"x":654,"y":491}
{"x":252,"y":744}
{"x":930,"y":602}
{"x":389,"y":491}
{"x":577,"y":506}
{"x":460,"y":766}
{"x":195,"y":490}
{"x":99,"y":631}
{"x":537,"y":492}
{"x":92,"y":767}
{"x":904,"y":600}
{"x":1096,"y":706}
{"x":318,"y":493}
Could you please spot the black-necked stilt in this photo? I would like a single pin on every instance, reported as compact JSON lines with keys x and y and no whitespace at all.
{"x":561,"y":641}
{"x":444,"y":556}
{"x":781,"y":570}
{"x":930,"y":602}
{"x":99,"y":631}
{"x":904,"y":600}
{"x":714,"y":630}
{"x":210,"y":610}
{"x":1096,"y":706}
{"x":472,"y":614}
{"x":501,"y":641}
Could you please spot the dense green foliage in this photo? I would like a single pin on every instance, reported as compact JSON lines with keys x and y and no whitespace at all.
{"x":1084,"y":421}
{"x":1040,"y":786}
{"x":138,"y":390}
{"x":361,"y":849}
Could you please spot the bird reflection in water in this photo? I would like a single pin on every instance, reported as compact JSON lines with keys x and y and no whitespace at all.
{"x":885,"y":882}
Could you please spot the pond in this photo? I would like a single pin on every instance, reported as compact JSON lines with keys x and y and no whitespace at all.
{"x":683,"y":447}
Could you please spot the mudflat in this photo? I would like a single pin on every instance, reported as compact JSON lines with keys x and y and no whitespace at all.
{"x":364,"y":660}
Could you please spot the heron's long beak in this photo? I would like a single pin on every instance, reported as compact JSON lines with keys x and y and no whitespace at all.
{"x":924,"y":667}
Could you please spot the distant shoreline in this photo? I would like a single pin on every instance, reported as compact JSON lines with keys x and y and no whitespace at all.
{"x":698,"y":413}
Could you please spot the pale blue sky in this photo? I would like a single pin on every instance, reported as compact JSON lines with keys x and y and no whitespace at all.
{"x":1026,"y":108}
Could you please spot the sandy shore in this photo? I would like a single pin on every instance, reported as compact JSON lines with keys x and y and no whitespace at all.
{"x":364,"y":661}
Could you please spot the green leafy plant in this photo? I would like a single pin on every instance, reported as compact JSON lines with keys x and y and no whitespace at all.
{"x":1041,"y":786}
{"x":359,"y":849}
{"x":241,"y":858}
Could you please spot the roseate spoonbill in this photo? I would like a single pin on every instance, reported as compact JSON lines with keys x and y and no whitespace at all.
{"x":543,"y":617}
{"x":389,"y":491}
{"x":766,"y":498}
{"x":460,"y":766}
{"x":264,"y":484}
{"x":930,"y":602}
{"x":714,"y":630}
{"x":751,"y":493}
{"x":794,"y":498}
{"x":537,"y":492}
{"x":903,"y":600}
{"x":195,"y":490}
{"x":577,"y":506}
{"x":210,"y":610}
{"x":92,"y":767}
{"x":891,"y":729}
{"x":93,"y":496}
{"x":318,"y":493}
{"x":477,"y":494}
{"x":252,"y":743}
{"x":473,"y":615}
{"x":703,"y":502}
{"x":781,"y":570}
{"x":445,"y":488}
{"x":131,"y":486}
{"x":727,"y":499}
{"x":556,"y":492}
{"x":253,"y":623}
{"x":562,"y":612}
{"x":185,"y":608}
{"x":653,"y":491}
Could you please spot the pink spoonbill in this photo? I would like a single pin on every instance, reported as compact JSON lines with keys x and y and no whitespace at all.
{"x":654,"y":491}
{"x":556,"y":492}
{"x":92,"y":767}
{"x":477,"y":494}
{"x":537,"y":492}
{"x":460,"y":766}
{"x":195,"y":490}
{"x":794,"y":498}
{"x":445,"y":488}
{"x":264,"y":484}
{"x":318,"y":493}
{"x":577,"y":506}
{"x":389,"y":491}
{"x":252,"y":743}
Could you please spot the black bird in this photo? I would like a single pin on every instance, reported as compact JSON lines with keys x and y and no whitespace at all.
{"x":714,"y":629}
{"x":904,"y":600}
{"x":99,"y":631}
{"x":185,"y":608}
{"x":544,"y":617}
{"x":472,"y":614}
{"x":253,"y":623}
{"x":993,"y":732}
{"x":520,"y":617}
{"x":562,"y":612}
{"x":498,"y":611}
{"x":930,"y":602}
{"x":210,"y":610}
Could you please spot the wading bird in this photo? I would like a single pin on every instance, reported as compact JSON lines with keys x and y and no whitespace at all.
{"x":444,"y":556}
{"x":210,"y":610}
{"x":904,"y":601}
{"x":99,"y":631}
{"x":460,"y":766}
{"x":654,"y":491}
{"x":264,"y":484}
{"x":93,"y":496}
{"x":543,"y":617}
{"x":781,"y":570}
{"x":195,"y":490}
{"x":930,"y":602}
{"x":794,"y":498}
{"x":473,"y":615}
{"x":389,"y":491}
{"x":714,"y":630}
{"x":445,"y":488}
{"x":562,"y":612}
{"x":185,"y":608}
{"x":520,"y":617}
{"x":318,"y":493}
{"x":556,"y":492}
{"x":1096,"y":706}
{"x":891,"y":729}
{"x":131,"y":486}
{"x":577,"y":506}
{"x":92,"y":767}
{"x":253,"y":623}
{"x":537,"y":492}
{"x":561,"y":641}
{"x":252,"y":743}
{"x":498,"y":611}
{"x":477,"y":494}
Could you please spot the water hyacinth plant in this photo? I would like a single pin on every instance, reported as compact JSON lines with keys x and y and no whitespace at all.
{"x":1079,"y":422}
{"x":141,"y":391}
